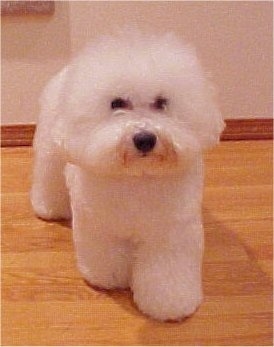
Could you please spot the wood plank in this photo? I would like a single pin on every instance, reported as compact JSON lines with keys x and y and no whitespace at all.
{"x":46,"y":302}
{"x":236,"y":129}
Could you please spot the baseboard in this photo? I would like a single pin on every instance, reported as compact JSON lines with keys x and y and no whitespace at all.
{"x":17,"y":135}
{"x":236,"y":129}
{"x":248,"y":129}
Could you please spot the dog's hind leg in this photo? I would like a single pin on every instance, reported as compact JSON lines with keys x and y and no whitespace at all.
{"x":49,"y":194}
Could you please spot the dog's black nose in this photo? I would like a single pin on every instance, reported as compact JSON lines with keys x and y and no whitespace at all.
{"x":144,"y":141}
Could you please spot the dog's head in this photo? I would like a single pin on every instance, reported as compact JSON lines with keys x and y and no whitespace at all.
{"x":135,"y":105}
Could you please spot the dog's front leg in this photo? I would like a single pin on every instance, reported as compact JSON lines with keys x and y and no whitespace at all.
{"x":167,"y":282}
{"x":104,"y":262}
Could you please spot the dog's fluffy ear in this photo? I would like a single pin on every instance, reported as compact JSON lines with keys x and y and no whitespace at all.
{"x":211,"y":130}
{"x":200,"y":96}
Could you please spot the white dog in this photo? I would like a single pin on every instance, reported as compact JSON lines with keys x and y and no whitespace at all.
{"x":119,"y":146}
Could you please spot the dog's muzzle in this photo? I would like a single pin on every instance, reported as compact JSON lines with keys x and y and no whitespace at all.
{"x":144,"y":141}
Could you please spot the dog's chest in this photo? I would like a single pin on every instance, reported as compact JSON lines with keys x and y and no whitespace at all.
{"x":127,"y":204}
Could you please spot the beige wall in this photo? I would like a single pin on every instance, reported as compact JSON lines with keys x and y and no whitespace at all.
{"x":233,"y":39}
{"x":33,"y":49}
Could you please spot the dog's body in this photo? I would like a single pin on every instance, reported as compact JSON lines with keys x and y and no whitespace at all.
{"x":119,"y":144}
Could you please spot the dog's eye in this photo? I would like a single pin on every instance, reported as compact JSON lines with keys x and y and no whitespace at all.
{"x":160,"y":103}
{"x":120,"y":103}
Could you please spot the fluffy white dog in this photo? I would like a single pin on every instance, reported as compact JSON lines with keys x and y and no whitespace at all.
{"x":119,"y":147}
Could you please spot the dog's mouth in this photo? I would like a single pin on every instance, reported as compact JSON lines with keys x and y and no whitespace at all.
{"x":161,"y":155}
{"x":148,"y":151}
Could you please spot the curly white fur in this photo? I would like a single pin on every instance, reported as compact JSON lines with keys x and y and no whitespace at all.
{"x":136,"y":213}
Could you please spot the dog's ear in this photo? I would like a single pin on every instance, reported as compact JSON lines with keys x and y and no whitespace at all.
{"x":206,"y":115}
{"x":212,"y":117}
{"x":199,"y":98}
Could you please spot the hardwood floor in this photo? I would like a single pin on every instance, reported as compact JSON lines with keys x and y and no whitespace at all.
{"x":46,"y":302}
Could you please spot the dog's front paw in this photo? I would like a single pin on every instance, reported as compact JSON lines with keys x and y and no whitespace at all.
{"x":105,"y":264}
{"x":167,"y":301}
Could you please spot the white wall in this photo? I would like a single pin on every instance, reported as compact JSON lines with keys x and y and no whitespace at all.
{"x":233,"y":39}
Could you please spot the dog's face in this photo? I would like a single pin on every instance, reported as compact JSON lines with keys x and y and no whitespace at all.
{"x":137,"y":108}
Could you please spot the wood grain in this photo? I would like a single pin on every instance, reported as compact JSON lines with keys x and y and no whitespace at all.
{"x":46,"y":302}
{"x":236,"y":129}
